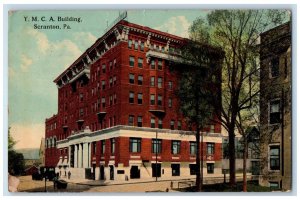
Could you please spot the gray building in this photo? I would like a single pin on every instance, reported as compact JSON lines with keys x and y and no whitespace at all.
{"x":275,"y":108}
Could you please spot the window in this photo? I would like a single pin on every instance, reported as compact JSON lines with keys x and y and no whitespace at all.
{"x":274,"y":185}
{"x":135,"y":145}
{"x":175,"y":147}
{"x":275,"y":157}
{"x":210,"y":168}
{"x":136,"y":45}
{"x":193,"y":169}
{"x":172,"y":124}
{"x":81,"y":112}
{"x":170,"y":103}
{"x":159,"y":66}
{"x":103,"y":102}
{"x":159,"y":82}
{"x":129,"y":44}
{"x":212,"y":128}
{"x":115,"y":98}
{"x":170,"y":85}
{"x":131,"y":78}
{"x":179,"y":125}
{"x":175,"y":169}
{"x":152,"y":99}
{"x":274,"y":111}
{"x":152,"y":81}
{"x":131,"y":97}
{"x":152,"y":122}
{"x":156,"y":146}
{"x":103,"y":68}
{"x":103,"y":85}
{"x":112,"y":146}
{"x":159,"y":100}
{"x":140,"y":121}
{"x":160,"y":125}
{"x":131,"y":61}
{"x":152,"y":64}
{"x":140,"y":62}
{"x":110,"y":100}
{"x":115,"y":80}
{"x":140,"y":98}
{"x":81,"y":97}
{"x":110,"y":82}
{"x":110,"y":65}
{"x":193,"y":148}
{"x":140,"y":80}
{"x":275,"y":67}
{"x":142,"y":46}
{"x":285,"y":67}
{"x":210,"y":148}
{"x":131,"y":120}
{"x":102,"y":147}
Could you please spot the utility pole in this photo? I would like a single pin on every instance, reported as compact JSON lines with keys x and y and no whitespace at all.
{"x":156,"y":152}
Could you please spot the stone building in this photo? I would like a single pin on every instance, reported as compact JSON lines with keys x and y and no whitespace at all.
{"x":275,"y":107}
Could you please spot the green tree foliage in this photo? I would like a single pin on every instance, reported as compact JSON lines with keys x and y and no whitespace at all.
{"x":236,"y":32}
{"x":16,"y":163}
{"x":11,"y":141}
{"x":195,"y":91}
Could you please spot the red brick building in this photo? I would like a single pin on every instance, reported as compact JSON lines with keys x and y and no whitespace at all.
{"x":118,"y":114}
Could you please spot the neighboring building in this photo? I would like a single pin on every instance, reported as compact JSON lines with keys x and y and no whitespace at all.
{"x":31,"y":170}
{"x":253,"y":158}
{"x":42,"y":152}
{"x":275,"y":107}
{"x":118,"y":115}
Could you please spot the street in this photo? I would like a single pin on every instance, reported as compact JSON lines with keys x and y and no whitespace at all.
{"x":29,"y":185}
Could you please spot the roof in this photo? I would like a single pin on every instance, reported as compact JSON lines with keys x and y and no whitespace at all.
{"x":120,"y":23}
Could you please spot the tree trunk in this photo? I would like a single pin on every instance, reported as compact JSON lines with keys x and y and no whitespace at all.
{"x":198,"y":179}
{"x":231,"y":135}
{"x":245,"y":164}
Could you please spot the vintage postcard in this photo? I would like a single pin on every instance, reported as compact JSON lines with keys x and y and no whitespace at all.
{"x":150,"y":100}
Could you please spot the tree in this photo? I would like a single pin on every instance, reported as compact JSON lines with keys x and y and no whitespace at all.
{"x":16,"y":164}
{"x":194,"y":92}
{"x":11,"y":141}
{"x":237,"y":32}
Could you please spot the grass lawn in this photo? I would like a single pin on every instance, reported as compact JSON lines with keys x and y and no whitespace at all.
{"x":224,"y":187}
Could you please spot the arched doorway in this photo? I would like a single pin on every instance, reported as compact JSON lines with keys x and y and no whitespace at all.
{"x":102,"y":173}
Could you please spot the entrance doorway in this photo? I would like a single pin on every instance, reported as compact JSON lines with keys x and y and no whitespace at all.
{"x":175,"y":169}
{"x":111,"y":172}
{"x":134,"y":172}
{"x":102,"y":175}
{"x":156,"y":170}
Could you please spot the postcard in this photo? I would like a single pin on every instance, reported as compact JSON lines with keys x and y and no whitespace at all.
{"x":150,"y":100}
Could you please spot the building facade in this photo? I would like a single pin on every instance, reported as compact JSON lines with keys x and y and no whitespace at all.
{"x":118,"y":117}
{"x":275,"y":108}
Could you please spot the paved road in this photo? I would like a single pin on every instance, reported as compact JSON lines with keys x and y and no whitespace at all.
{"x":28,"y":185}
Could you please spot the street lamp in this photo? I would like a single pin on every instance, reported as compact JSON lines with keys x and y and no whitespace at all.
{"x":45,"y":175}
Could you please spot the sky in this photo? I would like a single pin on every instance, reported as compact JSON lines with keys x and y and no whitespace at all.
{"x":36,"y":57}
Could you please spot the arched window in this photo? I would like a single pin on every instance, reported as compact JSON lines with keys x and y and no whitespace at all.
{"x":54,"y":141}
{"x":51,"y":142}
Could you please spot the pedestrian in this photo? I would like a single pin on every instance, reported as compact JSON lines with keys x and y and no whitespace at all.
{"x":55,"y":181}
{"x":69,"y":174}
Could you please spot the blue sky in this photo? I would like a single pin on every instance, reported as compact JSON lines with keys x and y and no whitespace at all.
{"x":37,"y":57}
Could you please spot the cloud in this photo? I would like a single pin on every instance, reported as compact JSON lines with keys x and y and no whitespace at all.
{"x":41,"y":39}
{"x":178,"y":25}
{"x":27,"y":136}
{"x":84,"y":39}
{"x":25,"y":63}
